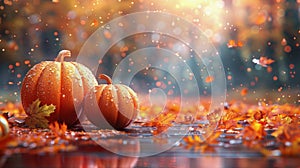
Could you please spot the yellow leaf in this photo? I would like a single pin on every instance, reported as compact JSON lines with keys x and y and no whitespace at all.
{"x":37,"y":115}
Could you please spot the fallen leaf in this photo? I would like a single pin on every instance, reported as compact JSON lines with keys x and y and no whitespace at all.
{"x":59,"y":130}
{"x":37,"y":115}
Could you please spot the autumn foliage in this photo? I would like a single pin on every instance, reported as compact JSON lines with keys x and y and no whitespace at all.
{"x":270,"y":129}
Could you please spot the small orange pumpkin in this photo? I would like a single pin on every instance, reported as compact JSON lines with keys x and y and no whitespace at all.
{"x":111,"y":106}
{"x":60,"y":83}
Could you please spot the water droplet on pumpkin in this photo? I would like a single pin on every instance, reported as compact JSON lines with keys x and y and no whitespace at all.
{"x":112,"y":100}
{"x":63,"y":95}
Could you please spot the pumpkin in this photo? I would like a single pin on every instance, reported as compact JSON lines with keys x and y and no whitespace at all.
{"x":110,"y":105}
{"x":60,"y":83}
{"x":4,"y":126}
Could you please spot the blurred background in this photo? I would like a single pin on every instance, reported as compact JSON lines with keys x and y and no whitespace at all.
{"x":258,"y":41}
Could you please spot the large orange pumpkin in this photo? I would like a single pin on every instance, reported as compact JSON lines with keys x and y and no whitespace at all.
{"x":111,"y":106}
{"x":60,"y":83}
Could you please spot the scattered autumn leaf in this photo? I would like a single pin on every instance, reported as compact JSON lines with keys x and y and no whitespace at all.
{"x":200,"y":143}
{"x":244,"y":91}
{"x":209,"y":79}
{"x":193,"y":139}
{"x":59,"y":130}
{"x":254,"y":131}
{"x":234,"y":44}
{"x":162,"y":122}
{"x":263,"y":61}
{"x":58,"y":148}
{"x":37,"y":115}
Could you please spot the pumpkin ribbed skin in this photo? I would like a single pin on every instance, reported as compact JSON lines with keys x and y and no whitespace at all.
{"x":117,"y":104}
{"x":60,"y":83}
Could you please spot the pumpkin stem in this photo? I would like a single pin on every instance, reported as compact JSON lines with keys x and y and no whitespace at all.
{"x":62,"y":54}
{"x":105,"y":77}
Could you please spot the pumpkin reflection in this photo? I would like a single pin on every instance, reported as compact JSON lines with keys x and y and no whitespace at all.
{"x":74,"y":160}
{"x":123,"y":145}
{"x":110,"y":161}
{"x":114,"y":162}
{"x":86,"y":156}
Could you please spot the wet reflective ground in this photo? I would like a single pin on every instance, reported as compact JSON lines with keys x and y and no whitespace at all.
{"x":25,"y":147}
{"x":176,"y":157}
